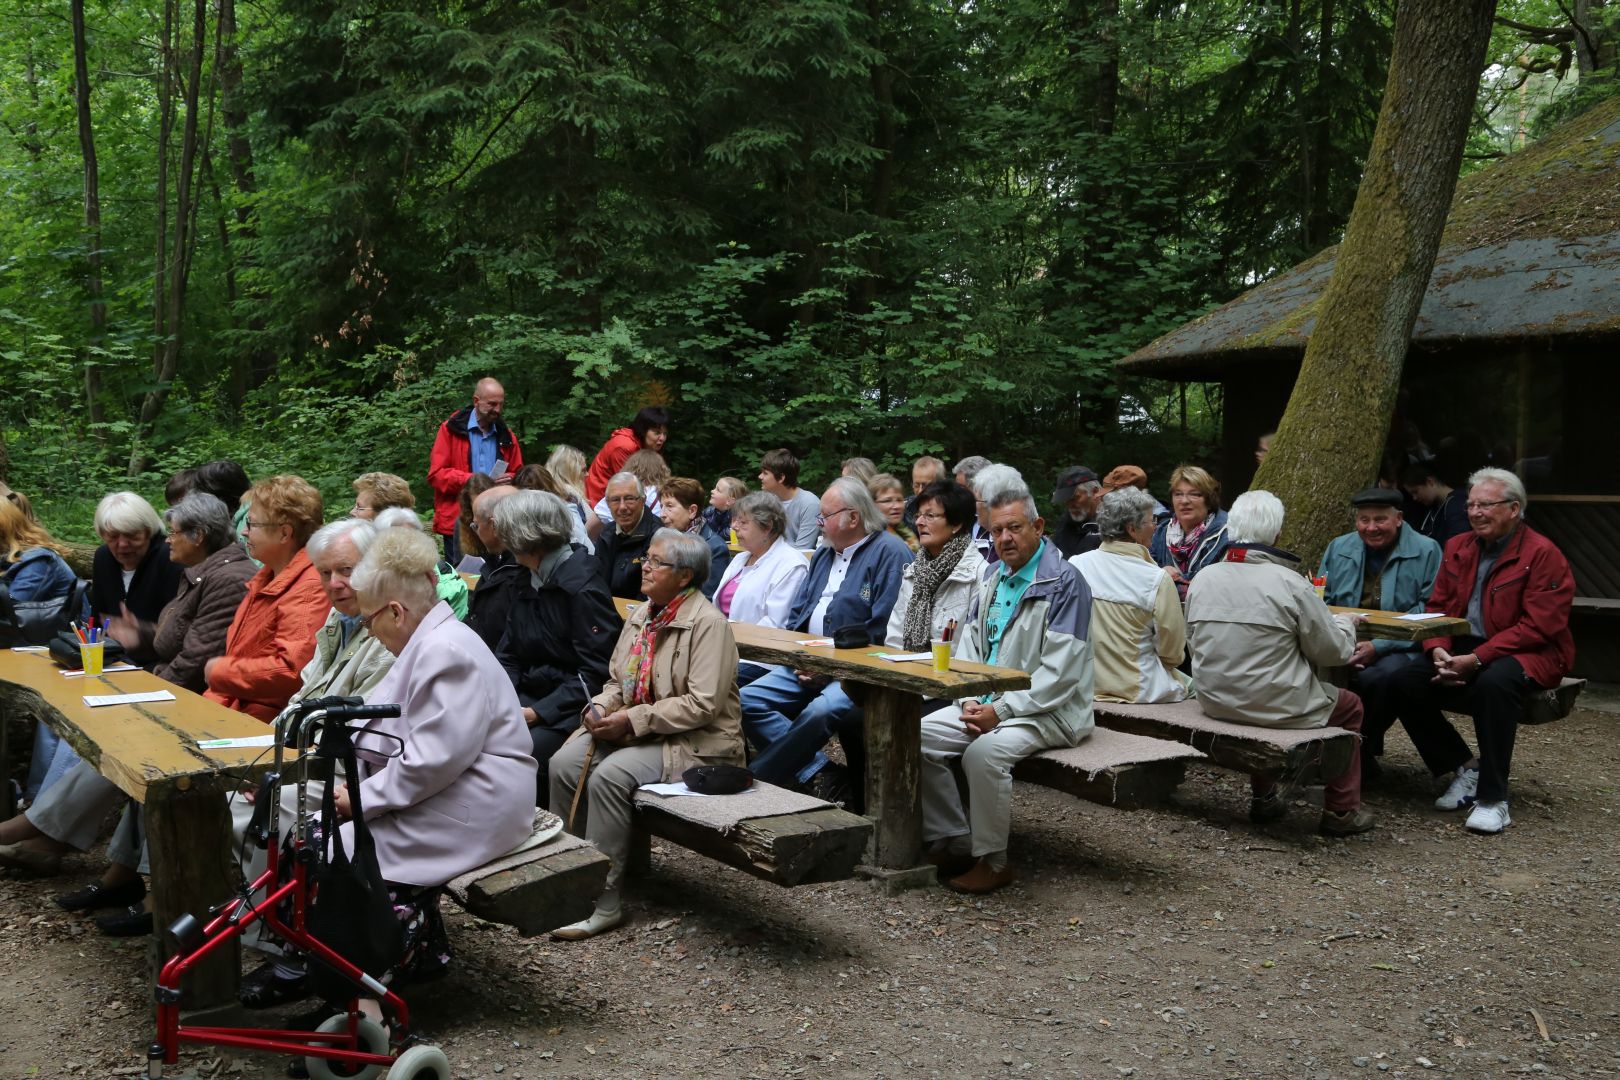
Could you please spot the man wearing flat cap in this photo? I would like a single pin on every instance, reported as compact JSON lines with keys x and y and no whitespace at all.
{"x":1078,"y":492}
{"x":1386,"y":565}
{"x":1124,"y":476}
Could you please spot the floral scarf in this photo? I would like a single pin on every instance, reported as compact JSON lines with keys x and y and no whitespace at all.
{"x":1182,"y":550}
{"x":636,"y":683}
{"x":927,"y":575}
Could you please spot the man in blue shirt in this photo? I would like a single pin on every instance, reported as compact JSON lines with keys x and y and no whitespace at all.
{"x":854,"y":578}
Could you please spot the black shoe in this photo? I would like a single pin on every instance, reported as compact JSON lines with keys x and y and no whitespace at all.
{"x":98,"y":896}
{"x":263,"y":989}
{"x":132,"y":922}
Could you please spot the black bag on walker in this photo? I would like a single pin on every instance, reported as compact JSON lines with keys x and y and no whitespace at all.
{"x":351,"y":912}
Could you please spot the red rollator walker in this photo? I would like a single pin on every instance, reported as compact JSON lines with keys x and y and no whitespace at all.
{"x":349,"y":1044}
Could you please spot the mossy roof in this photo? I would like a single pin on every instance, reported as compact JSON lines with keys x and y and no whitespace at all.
{"x":1531,"y":253}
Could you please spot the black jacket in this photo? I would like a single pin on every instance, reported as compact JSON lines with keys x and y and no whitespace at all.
{"x":155,"y":582}
{"x":1074,"y":537}
{"x":558,"y":635}
{"x":488,"y":605}
{"x":619,"y":557}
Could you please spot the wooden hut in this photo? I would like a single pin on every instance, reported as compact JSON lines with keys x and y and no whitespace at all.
{"x":1512,"y":360}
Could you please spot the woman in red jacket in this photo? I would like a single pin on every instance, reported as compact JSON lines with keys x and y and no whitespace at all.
{"x":648,"y":431}
{"x":272,"y":636}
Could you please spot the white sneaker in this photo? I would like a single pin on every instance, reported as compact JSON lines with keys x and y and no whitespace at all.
{"x":1488,"y":817}
{"x":1461,"y":792}
{"x":599,"y":922}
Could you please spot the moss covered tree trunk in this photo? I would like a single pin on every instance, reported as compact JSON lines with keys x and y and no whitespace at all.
{"x":1332,"y":433}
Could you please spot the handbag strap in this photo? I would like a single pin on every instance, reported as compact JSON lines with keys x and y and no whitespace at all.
{"x":363,"y":842}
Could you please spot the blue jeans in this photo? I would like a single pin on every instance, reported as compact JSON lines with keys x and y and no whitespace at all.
{"x":788,"y":722}
{"x":52,"y":757}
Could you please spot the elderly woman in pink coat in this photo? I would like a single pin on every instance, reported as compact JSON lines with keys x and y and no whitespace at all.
{"x":448,"y":785}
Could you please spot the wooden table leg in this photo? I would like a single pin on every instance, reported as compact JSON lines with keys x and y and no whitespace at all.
{"x":893,"y":762}
{"x":188,"y":834}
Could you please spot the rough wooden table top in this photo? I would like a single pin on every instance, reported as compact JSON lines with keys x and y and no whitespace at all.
{"x":1389,"y":626}
{"x":764,"y":645}
{"x":142,"y":745}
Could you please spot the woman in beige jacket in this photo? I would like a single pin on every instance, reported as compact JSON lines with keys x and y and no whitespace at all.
{"x":670,"y":703}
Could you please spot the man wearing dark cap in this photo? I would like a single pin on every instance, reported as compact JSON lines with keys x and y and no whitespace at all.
{"x":1078,"y":492}
{"x":1385,"y":565}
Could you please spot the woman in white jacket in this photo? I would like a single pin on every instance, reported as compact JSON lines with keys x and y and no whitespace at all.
{"x":760,"y":583}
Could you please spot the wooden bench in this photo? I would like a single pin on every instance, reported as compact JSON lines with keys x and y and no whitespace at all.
{"x":1113,"y":768}
{"x":536,"y":889}
{"x":813,"y":842}
{"x":1247,"y":748}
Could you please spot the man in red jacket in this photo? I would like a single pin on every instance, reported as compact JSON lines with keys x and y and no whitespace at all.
{"x":473,"y":440}
{"x":1515,"y":589}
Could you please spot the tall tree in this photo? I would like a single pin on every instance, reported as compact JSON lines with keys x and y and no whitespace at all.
{"x":1344,"y":398}
{"x":92,"y":218}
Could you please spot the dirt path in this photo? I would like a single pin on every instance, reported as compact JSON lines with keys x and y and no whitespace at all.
{"x":1167,"y":943}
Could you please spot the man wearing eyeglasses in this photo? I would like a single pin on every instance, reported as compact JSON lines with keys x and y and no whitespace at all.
{"x":853,"y":581}
{"x":1515,"y":589}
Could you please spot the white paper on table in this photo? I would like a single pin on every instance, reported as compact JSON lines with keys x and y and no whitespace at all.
{"x":248,"y":742}
{"x":679,"y":787}
{"x":30,"y":648}
{"x":74,"y":673}
{"x":1422,"y":616}
{"x":814,"y":641}
{"x":95,"y":701}
{"x":904,"y":657}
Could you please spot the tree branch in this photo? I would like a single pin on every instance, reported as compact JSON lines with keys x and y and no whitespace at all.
{"x":465,"y":169}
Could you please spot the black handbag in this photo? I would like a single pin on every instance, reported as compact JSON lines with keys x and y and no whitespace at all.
{"x":36,"y":622}
{"x":351,"y":912}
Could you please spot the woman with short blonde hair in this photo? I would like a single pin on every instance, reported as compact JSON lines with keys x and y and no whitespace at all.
{"x":378,"y":491}
{"x":1194,"y":535}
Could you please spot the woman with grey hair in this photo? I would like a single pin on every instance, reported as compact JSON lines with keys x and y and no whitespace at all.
{"x":669,"y":703}
{"x":561,"y":625}
{"x":761,"y":581}
{"x":131,"y":573}
{"x":1138,"y":633}
{"x":214,"y":572}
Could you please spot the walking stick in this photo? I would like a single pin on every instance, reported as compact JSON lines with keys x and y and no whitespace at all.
{"x":590,"y":752}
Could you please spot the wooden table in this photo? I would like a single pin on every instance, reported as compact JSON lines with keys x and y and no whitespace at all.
{"x":1389,"y":626}
{"x":150,"y":751}
{"x":892,"y":707}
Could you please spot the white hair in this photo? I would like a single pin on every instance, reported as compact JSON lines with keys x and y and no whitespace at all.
{"x":626,"y":478}
{"x":400,"y":565}
{"x":358,"y":531}
{"x":1256,"y":517}
{"x":127,"y":512}
{"x":686,"y":552}
{"x":396,"y":516}
{"x":1003,"y":485}
{"x":1512,"y":486}
{"x":858,"y":499}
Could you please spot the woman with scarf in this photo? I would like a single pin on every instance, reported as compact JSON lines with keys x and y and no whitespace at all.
{"x":1194,"y":535}
{"x":670,"y":703}
{"x":682,"y":499}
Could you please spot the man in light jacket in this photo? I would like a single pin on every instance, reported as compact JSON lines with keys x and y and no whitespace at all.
{"x":1031,"y":612}
{"x":1387,"y":565}
{"x":1257,"y":627}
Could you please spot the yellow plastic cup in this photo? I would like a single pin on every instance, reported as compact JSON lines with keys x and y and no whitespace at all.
{"x":91,"y":655}
{"x":942,"y":654}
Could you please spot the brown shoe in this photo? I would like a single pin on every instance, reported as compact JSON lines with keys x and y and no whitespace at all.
{"x":949,"y":864}
{"x":1345,"y":822}
{"x":981,"y":879}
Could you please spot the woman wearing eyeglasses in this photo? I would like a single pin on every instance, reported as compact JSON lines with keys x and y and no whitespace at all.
{"x":272,"y":636}
{"x":670,"y":703}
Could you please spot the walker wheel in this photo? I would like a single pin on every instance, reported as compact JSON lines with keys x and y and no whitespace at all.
{"x":373,"y":1039}
{"x":421,"y":1062}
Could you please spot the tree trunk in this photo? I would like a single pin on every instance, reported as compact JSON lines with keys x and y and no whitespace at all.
{"x":168,"y":357}
{"x":92,"y":219}
{"x":1333,"y":431}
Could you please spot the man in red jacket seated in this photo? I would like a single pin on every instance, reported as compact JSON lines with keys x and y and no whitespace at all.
{"x":474,"y":440}
{"x":1515,"y":589}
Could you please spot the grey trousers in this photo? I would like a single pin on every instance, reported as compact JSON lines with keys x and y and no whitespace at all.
{"x":72,"y":809}
{"x":606,"y":807}
{"x":987,"y":762}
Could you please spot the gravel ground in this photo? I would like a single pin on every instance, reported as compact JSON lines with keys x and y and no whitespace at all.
{"x":1166,"y":943}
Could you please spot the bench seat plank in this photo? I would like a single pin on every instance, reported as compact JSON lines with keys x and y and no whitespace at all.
{"x":1113,"y":768}
{"x":1243,"y":747}
{"x":818,"y":844}
{"x":536,"y":890}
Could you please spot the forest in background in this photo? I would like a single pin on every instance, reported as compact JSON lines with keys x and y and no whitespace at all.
{"x":294,"y":233}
